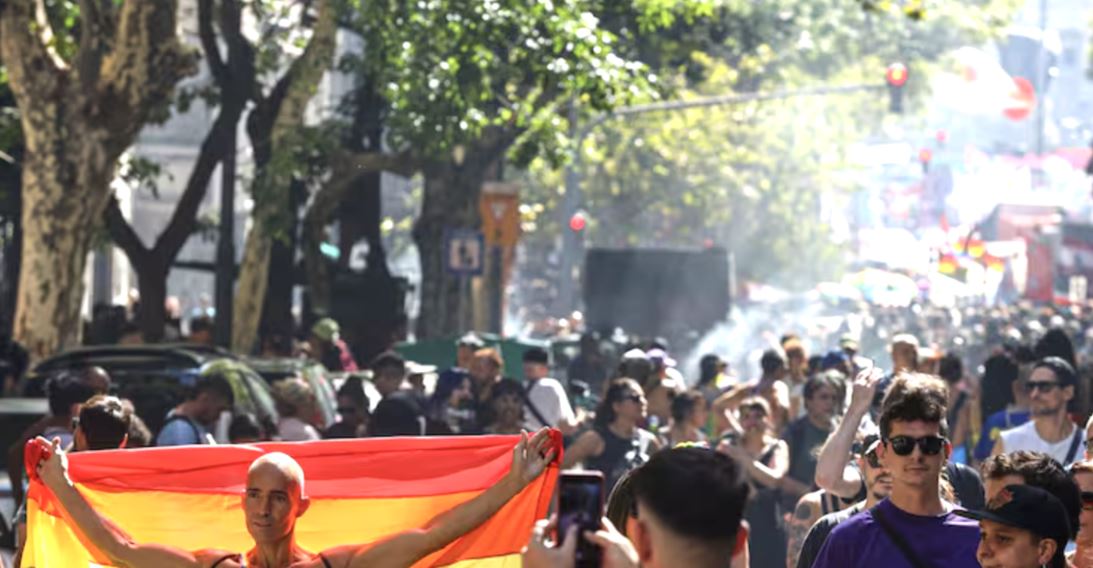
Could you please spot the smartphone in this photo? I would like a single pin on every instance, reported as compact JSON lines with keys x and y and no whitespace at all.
{"x":580,"y":503}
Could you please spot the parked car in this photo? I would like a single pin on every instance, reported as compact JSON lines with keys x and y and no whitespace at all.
{"x":156,"y":378}
{"x":274,"y":370}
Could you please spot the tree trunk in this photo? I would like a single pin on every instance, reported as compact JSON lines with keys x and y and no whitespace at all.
{"x":77,"y":120}
{"x":280,"y":114}
{"x":57,"y":227}
{"x":152,"y":283}
{"x":450,"y":202}
{"x":251,"y":289}
{"x":235,"y":79}
{"x":277,"y":313}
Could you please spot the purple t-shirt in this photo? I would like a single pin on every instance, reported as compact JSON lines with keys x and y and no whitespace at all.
{"x":947,"y":541}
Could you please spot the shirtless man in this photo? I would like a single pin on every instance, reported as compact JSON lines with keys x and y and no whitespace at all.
{"x":275,"y":499}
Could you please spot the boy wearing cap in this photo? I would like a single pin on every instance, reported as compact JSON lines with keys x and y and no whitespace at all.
{"x":1022,"y":527}
{"x":328,"y":348}
{"x":1050,"y":387}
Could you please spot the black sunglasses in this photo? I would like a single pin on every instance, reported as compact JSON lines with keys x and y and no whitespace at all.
{"x":929,"y":445}
{"x":1042,"y":386}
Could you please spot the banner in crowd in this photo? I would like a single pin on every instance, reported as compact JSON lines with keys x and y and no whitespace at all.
{"x":361,"y":491}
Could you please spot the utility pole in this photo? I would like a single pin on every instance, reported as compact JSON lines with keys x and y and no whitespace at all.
{"x":571,"y":201}
{"x":225,"y":247}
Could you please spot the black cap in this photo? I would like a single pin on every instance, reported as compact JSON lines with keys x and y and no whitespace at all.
{"x":1029,"y":508}
{"x":536,"y":355}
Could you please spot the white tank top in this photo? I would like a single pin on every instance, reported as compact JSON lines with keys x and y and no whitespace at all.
{"x":1025,"y":437}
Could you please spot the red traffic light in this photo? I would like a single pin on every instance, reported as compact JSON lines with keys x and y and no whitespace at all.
{"x":577,"y":222}
{"x":925,"y":155}
{"x":896,"y":75}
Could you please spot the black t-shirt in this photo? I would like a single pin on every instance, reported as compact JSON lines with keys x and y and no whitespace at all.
{"x":817,"y":535}
{"x":804,"y":440}
{"x":13,"y":360}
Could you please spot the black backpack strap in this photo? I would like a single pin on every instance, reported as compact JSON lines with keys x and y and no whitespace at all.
{"x":897,"y":539}
{"x":1074,"y":443}
{"x":531,"y":405}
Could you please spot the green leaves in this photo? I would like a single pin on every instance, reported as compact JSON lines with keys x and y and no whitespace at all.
{"x":451,"y":69}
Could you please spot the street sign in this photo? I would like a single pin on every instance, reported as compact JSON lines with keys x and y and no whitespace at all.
{"x":464,"y":252}
{"x":499,"y":206}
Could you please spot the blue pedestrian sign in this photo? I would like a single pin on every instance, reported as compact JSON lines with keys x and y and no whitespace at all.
{"x":464,"y":252}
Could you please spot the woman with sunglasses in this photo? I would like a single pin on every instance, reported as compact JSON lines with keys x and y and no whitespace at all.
{"x":616,"y":443}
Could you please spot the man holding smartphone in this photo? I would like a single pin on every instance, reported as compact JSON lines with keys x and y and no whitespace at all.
{"x":689,"y":505}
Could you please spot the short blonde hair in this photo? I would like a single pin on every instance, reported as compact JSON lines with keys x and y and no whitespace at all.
{"x":294,"y":397}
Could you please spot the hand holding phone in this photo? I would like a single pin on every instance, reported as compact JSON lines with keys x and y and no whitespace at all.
{"x":580,"y":504}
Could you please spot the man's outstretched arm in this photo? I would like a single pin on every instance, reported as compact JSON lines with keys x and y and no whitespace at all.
{"x":831,"y":471}
{"x":118,"y":547}
{"x":530,"y":458}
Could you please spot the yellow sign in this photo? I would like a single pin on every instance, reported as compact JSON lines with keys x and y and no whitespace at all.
{"x":500,"y":217}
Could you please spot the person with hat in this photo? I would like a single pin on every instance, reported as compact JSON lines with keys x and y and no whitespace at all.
{"x":849,"y":345}
{"x":545,"y":398}
{"x":1050,"y":387}
{"x":465,"y":349}
{"x":328,"y":347}
{"x":1022,"y":527}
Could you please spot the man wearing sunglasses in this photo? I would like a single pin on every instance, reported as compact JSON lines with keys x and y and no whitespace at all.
{"x":1050,"y":388}
{"x":913,"y":527}
{"x":878,"y":484}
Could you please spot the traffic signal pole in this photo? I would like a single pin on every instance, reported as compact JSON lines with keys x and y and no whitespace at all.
{"x":572,"y":200}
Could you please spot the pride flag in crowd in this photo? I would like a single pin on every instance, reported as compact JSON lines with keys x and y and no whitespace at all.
{"x":361,"y":491}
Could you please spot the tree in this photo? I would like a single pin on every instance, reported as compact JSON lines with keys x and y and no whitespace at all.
{"x":84,"y":93}
{"x":274,"y":129}
{"x":749,"y":176}
{"x":493,"y":78}
{"x":234,"y":77}
{"x":11,"y":158}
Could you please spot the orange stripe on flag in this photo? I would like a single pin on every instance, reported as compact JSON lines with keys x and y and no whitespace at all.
{"x":185,"y":517}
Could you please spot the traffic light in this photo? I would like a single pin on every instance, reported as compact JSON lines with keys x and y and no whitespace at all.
{"x":896,"y":77}
{"x":577,"y":222}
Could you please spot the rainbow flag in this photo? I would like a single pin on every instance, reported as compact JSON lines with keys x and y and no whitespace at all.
{"x":361,"y":491}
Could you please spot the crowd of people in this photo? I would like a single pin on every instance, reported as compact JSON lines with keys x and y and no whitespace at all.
{"x":964,"y":445}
